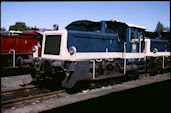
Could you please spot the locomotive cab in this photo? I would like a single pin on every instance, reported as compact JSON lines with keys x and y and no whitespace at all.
{"x":54,"y":45}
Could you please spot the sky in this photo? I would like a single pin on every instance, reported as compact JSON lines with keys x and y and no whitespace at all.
{"x":46,"y":14}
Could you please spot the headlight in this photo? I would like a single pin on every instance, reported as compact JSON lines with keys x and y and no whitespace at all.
{"x":34,"y":48}
{"x":72,"y":50}
{"x":155,"y":50}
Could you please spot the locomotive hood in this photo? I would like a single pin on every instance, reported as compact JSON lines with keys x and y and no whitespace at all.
{"x":82,"y":25}
{"x":85,"y":25}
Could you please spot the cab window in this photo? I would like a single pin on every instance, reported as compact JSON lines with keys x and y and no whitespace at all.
{"x":132,"y":33}
{"x":118,"y":28}
{"x":140,"y":33}
{"x":136,"y":33}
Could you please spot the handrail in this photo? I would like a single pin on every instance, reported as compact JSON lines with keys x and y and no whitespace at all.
{"x":94,"y":66}
{"x":125,"y":58}
{"x":12,"y":50}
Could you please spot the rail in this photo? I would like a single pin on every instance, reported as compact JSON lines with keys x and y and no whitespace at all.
{"x":21,"y":100}
{"x":6,"y":92}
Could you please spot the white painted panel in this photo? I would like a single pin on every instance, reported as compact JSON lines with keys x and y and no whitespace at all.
{"x":159,"y":54}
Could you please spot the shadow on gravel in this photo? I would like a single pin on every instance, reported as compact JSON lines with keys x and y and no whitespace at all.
{"x":151,"y":98}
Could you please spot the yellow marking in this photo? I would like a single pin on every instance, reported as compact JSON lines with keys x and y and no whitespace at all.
{"x":110,"y":42}
{"x":25,"y":41}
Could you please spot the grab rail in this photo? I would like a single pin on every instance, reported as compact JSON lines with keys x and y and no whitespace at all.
{"x":12,"y":50}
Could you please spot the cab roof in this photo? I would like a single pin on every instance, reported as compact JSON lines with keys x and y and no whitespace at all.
{"x":89,"y":23}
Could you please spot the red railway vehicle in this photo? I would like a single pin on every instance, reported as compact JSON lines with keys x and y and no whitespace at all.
{"x":17,"y":49}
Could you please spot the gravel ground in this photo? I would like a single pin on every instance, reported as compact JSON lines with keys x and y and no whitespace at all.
{"x":86,"y":94}
{"x":14,"y":82}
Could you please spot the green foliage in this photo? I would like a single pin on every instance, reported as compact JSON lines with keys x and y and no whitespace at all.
{"x":3,"y":29}
{"x":19,"y":26}
{"x":167,"y":29}
{"x":34,"y":28}
{"x":159,"y":27}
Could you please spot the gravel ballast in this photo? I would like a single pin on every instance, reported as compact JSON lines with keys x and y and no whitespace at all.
{"x":14,"y":82}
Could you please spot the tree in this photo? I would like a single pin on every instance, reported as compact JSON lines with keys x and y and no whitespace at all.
{"x":3,"y":29}
{"x":34,"y":28}
{"x":159,"y":27}
{"x":167,"y":29}
{"x":19,"y":26}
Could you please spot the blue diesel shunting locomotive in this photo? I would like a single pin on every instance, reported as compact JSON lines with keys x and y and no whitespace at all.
{"x":98,"y":50}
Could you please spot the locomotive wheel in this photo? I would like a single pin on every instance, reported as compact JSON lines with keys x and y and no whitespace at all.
{"x":34,"y":75}
{"x":46,"y":67}
{"x":58,"y":78}
{"x":55,"y":83}
{"x":155,"y":66}
{"x":112,"y":71}
{"x":53,"y":76}
{"x":159,"y":65}
{"x":19,"y":61}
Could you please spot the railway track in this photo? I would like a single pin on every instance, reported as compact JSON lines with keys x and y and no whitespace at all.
{"x":33,"y":93}
{"x":11,"y":91}
{"x":5,"y":103}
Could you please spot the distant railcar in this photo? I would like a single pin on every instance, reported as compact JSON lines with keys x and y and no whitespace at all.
{"x":17,"y":47}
